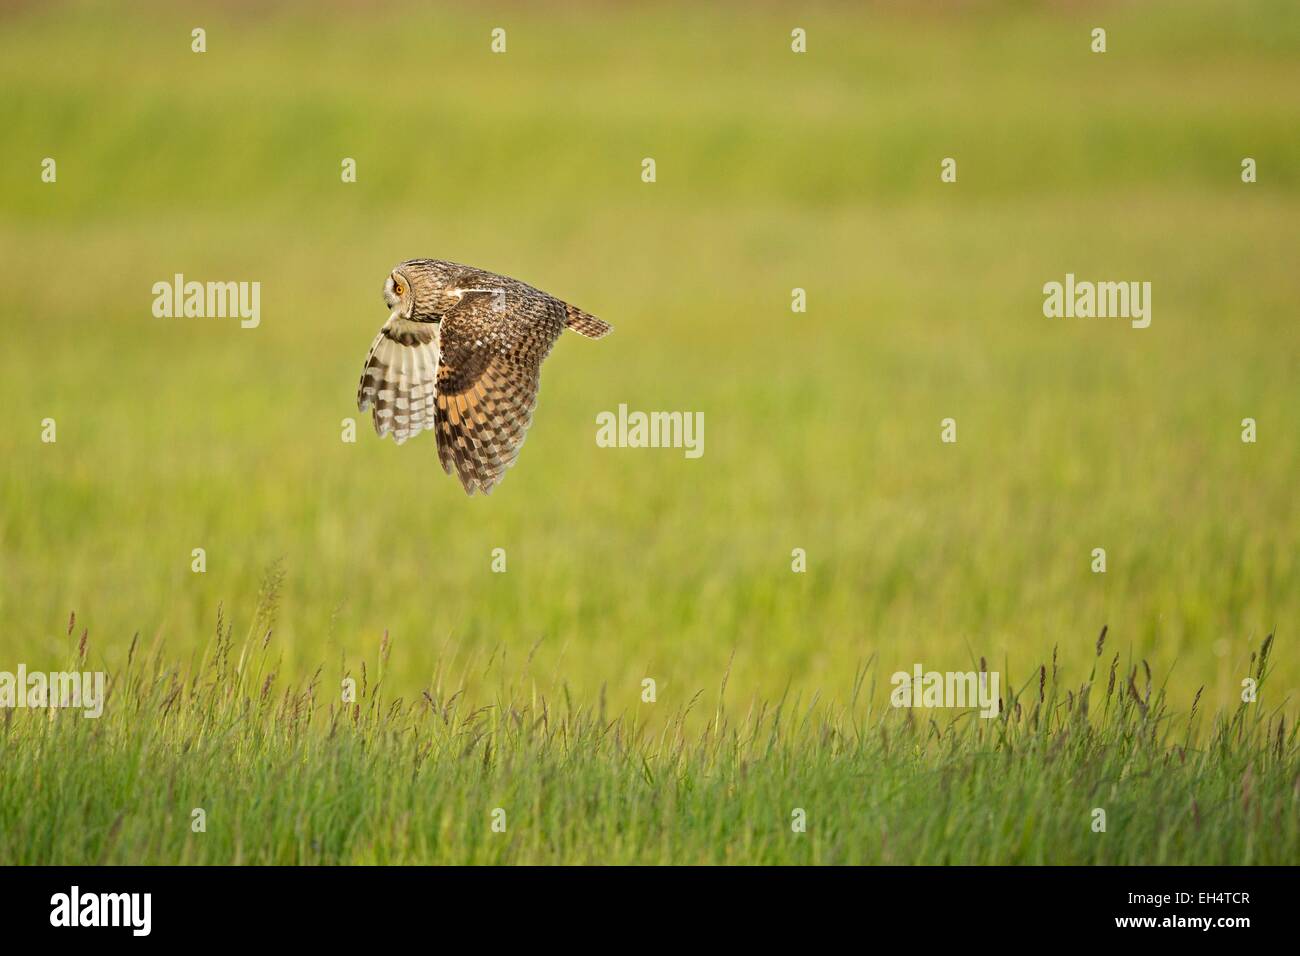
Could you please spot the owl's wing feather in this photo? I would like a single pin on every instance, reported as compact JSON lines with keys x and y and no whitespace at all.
{"x":398,"y":378}
{"x":493,"y":344}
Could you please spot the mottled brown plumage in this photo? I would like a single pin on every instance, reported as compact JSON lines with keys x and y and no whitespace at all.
{"x":461,"y":353}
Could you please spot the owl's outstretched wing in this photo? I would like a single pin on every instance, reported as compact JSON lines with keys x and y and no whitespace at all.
{"x":493,"y":343}
{"x":398,"y":378}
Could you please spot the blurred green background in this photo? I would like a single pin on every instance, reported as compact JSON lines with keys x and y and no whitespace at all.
{"x":775,"y":171}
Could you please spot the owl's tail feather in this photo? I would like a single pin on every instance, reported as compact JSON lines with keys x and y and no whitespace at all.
{"x":398,"y":381}
{"x":586,"y":323}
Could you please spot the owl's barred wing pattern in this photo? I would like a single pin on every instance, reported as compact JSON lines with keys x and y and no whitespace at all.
{"x":493,"y":344}
{"x":481,"y":430}
{"x":399,"y":377}
{"x":587,"y":324}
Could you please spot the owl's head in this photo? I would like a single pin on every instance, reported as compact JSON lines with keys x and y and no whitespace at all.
{"x":414,"y":289}
{"x":398,"y":293}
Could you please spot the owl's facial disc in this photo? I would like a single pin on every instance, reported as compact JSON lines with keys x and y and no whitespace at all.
{"x":396,"y":291}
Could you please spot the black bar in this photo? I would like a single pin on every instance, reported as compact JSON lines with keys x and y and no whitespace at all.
{"x":366,"y":905}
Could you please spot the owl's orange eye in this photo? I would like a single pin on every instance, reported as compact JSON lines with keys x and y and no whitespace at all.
{"x":397,"y":287}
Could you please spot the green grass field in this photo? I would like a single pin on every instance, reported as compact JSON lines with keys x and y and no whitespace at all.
{"x":775,"y":170}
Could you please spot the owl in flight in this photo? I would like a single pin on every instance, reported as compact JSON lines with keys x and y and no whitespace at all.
{"x":461,"y":353}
